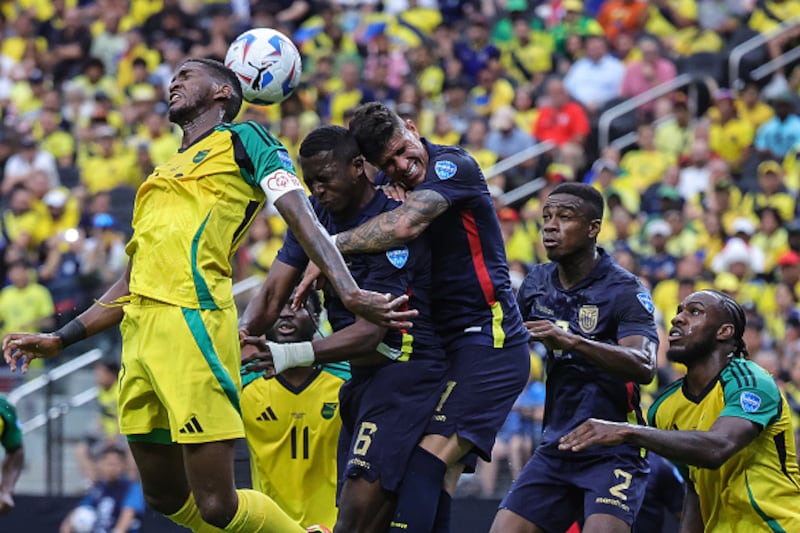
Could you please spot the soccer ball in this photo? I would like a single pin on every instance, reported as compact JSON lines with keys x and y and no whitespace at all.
{"x":83,"y":519}
{"x":267,"y":64}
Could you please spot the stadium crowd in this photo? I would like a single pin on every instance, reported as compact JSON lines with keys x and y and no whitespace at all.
{"x":706,"y":197}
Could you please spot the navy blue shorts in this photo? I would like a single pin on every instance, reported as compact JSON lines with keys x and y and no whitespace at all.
{"x":553,"y":493}
{"x":482,"y":385}
{"x":384,"y":412}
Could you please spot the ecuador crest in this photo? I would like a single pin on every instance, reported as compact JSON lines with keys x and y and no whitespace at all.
{"x":587,"y":318}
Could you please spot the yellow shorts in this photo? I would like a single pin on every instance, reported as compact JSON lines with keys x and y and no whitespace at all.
{"x":179,"y":380}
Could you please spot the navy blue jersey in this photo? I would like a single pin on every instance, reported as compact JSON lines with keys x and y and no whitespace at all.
{"x":401,"y":270}
{"x":473,"y":300}
{"x":606,"y":306}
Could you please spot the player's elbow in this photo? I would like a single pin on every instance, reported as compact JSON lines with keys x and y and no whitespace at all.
{"x":645,"y":373}
{"x":406,"y":231}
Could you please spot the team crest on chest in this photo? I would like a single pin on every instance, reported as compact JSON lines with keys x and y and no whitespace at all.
{"x":587,"y":318}
{"x":398,"y":257}
{"x":328,"y":410}
{"x":199,"y":156}
{"x":445,"y":169}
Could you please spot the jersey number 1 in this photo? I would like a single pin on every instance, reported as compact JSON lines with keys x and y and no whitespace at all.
{"x":304,"y":443}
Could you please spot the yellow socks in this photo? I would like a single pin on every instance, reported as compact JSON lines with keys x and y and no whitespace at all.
{"x":189,"y":516}
{"x":257,"y":512}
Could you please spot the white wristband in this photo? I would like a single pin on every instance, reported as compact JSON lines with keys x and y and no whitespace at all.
{"x":291,"y":355}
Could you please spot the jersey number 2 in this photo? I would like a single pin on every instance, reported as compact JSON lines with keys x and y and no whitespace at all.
{"x":617,"y":489}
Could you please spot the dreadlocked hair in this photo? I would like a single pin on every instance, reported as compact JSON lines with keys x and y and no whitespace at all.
{"x":739,"y":321}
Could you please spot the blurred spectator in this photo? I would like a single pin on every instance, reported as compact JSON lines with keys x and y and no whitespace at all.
{"x":25,"y":305}
{"x":69,"y":48}
{"x":506,"y":139}
{"x":574,"y":22}
{"x":771,"y":192}
{"x":776,"y":136}
{"x":674,"y":135}
{"x":596,"y":78}
{"x":474,"y":141}
{"x":103,"y":431}
{"x":730,"y":136}
{"x":491,"y":92}
{"x":380,"y":53}
{"x":102,"y":256}
{"x":560,"y":119}
{"x":30,"y":157}
{"x":645,"y":165}
{"x":696,"y":172}
{"x":738,"y":250}
{"x":657,"y":264}
{"x":351,"y":94}
{"x":20,"y":220}
{"x":474,"y":50}
{"x":617,"y":16}
{"x":116,"y":500}
{"x":526,"y":61}
{"x":771,"y":237}
{"x":109,"y":163}
{"x":750,"y":106}
{"x":651,"y":70}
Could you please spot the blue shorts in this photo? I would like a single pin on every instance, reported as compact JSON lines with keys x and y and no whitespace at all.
{"x":553,"y":493}
{"x":384,"y":412}
{"x":482,"y":385}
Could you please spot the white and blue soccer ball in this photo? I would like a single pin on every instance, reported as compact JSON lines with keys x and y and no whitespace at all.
{"x":83,"y":519}
{"x":267,"y":64}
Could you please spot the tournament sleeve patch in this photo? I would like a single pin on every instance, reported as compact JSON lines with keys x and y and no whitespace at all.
{"x":278,"y":183}
{"x":445,"y":169}
{"x":647,"y":302}
{"x":750,"y":401}
{"x":398,"y":257}
{"x":286,"y":161}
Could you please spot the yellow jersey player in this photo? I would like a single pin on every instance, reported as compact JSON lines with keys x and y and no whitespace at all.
{"x":292,"y":425}
{"x":726,"y":420}
{"x":180,"y":383}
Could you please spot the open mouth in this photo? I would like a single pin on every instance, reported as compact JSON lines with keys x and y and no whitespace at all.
{"x":286,"y":328}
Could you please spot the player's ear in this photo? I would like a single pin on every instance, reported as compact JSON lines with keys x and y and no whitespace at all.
{"x":223,"y":92}
{"x":725,"y":332}
{"x":358,"y":163}
{"x":594,"y":228}
{"x":410,"y":126}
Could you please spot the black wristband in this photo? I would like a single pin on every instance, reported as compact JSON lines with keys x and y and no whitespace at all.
{"x":72,"y":332}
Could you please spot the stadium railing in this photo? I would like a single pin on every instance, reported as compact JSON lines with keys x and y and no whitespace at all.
{"x":740,"y":51}
{"x":790,"y":56}
{"x":690,"y":81}
{"x":526,"y":189}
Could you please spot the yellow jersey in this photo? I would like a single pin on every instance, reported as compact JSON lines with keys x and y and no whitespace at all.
{"x":292,"y":434}
{"x":758,"y":489}
{"x":192,"y":213}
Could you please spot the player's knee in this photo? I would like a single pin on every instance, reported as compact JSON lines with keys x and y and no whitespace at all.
{"x":162,"y":501}
{"x":216,"y":510}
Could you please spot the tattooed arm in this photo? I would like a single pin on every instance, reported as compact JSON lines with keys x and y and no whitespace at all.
{"x":396,"y":226}
{"x":378,"y":308}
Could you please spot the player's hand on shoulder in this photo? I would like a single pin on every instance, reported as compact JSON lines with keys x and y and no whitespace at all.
{"x":591,"y":432}
{"x":29,"y":346}
{"x":395,"y":191}
{"x":256,"y":356}
{"x":382,"y":309}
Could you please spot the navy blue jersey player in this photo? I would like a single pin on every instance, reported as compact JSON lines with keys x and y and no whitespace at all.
{"x":596,"y":321}
{"x":397,"y":375}
{"x":476,"y":312}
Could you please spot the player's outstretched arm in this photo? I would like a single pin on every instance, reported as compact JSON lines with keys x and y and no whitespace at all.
{"x":633,"y":358}
{"x":705,"y":449}
{"x":102,"y":315}
{"x":393,"y":228}
{"x":359,"y":340}
{"x":377,"y":308}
